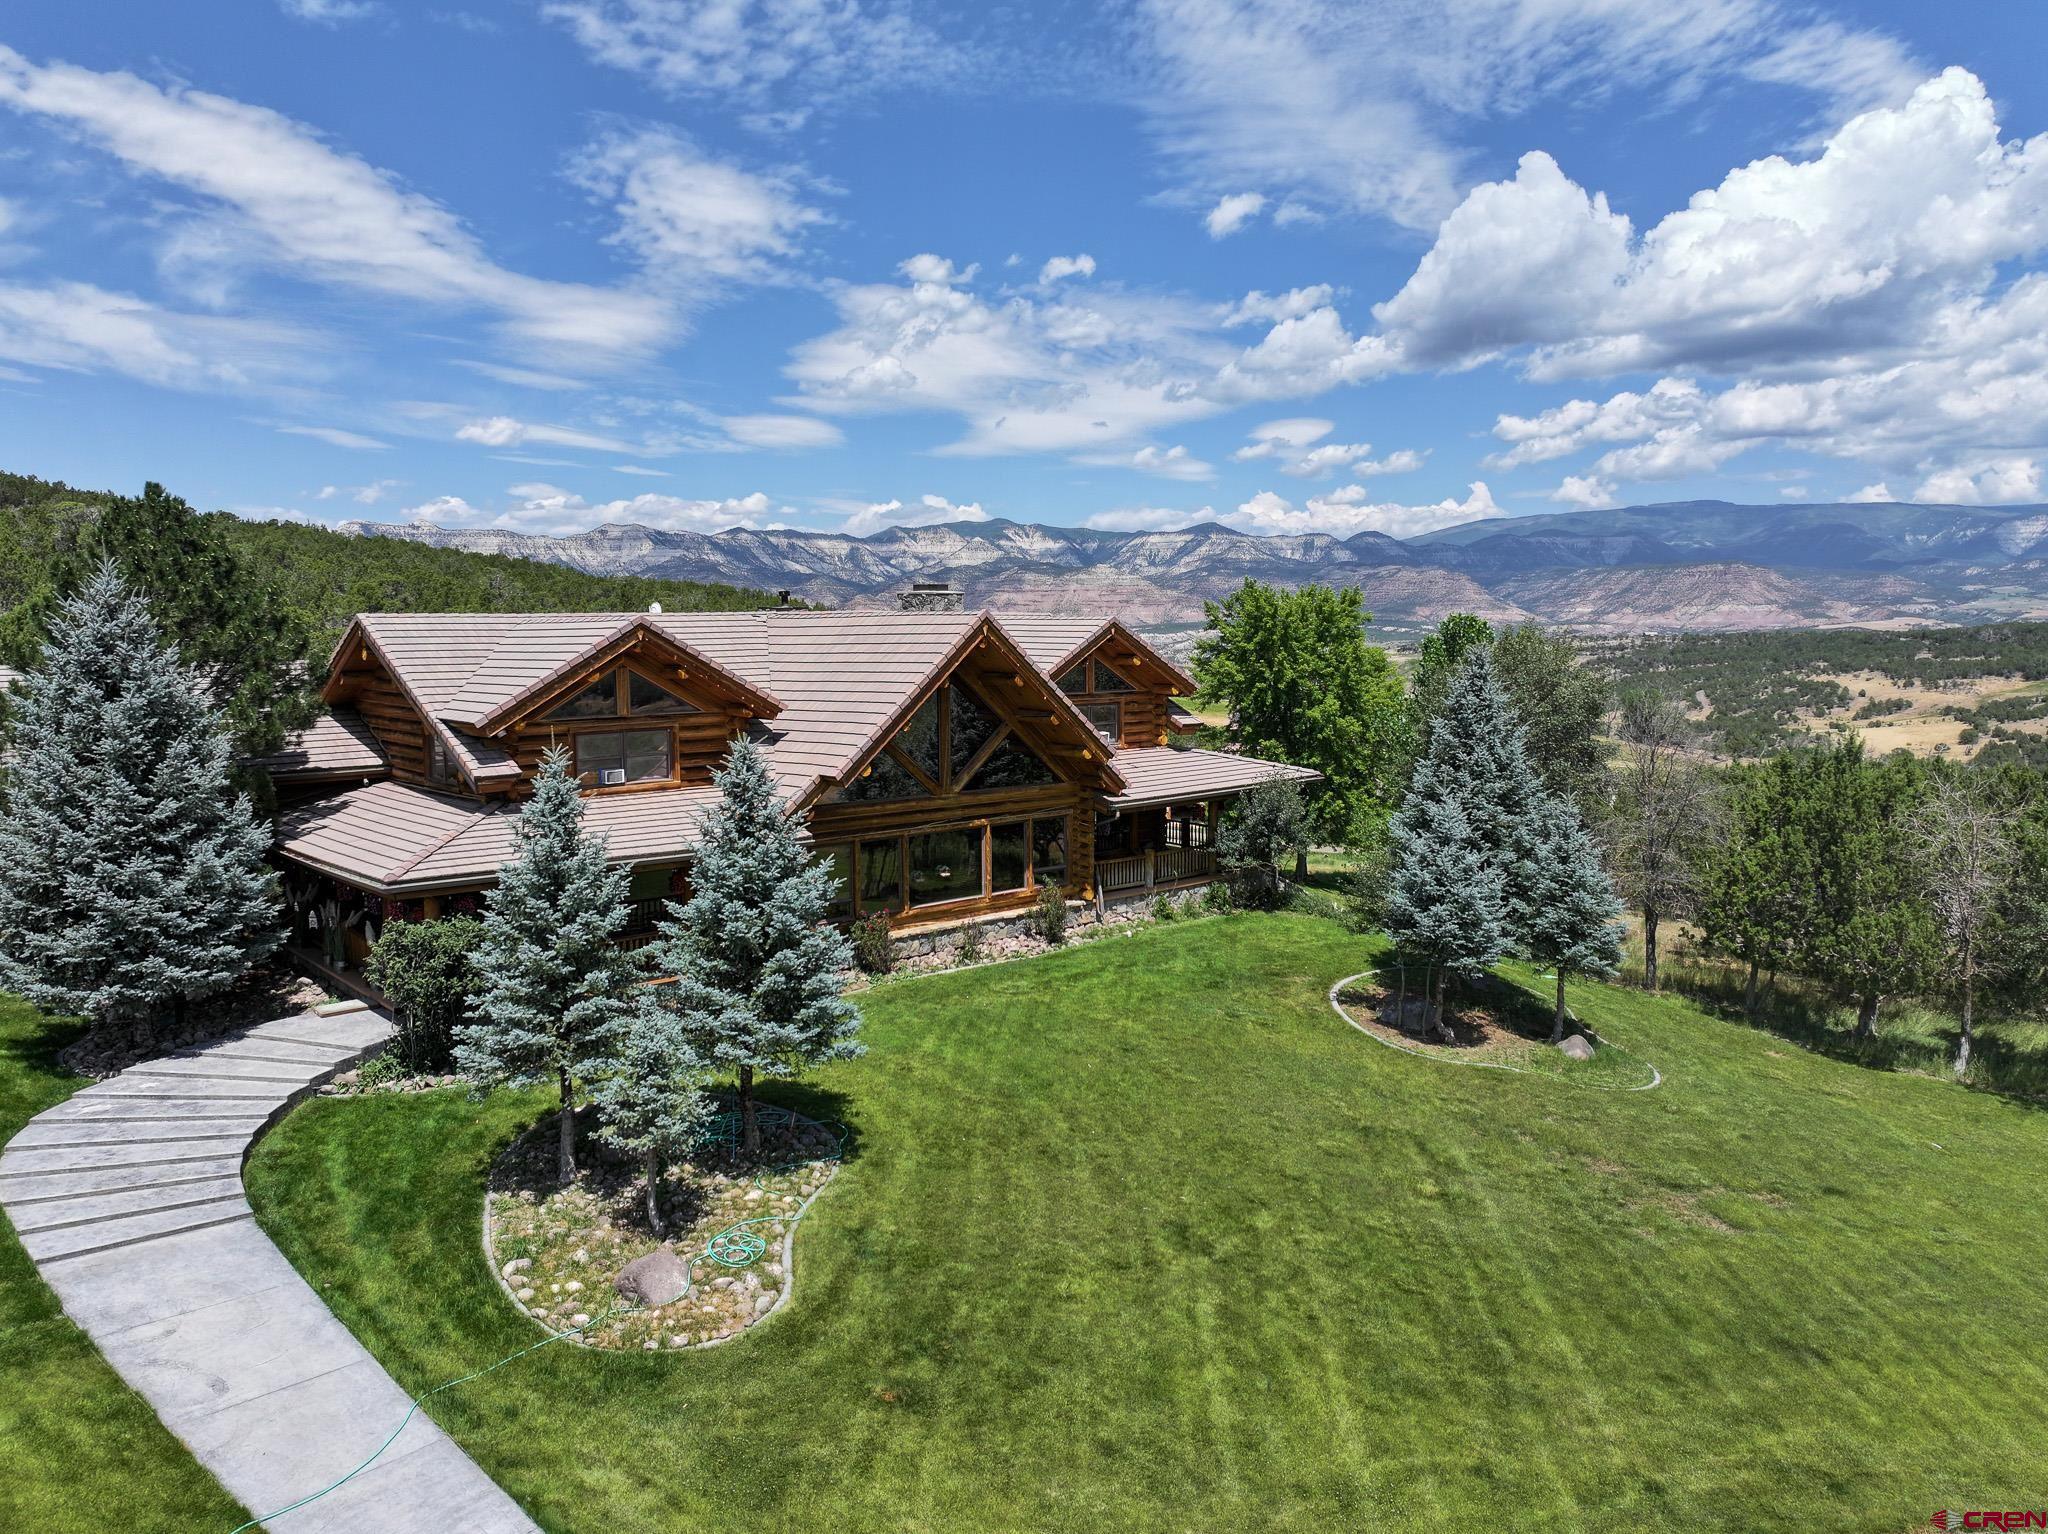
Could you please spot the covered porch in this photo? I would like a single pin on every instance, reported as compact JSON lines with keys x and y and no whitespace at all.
{"x":1159,"y":847}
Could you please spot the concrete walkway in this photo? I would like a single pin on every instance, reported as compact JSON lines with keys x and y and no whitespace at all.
{"x":129,"y":1198}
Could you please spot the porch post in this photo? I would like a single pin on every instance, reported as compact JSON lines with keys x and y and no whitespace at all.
{"x":1151,"y":866}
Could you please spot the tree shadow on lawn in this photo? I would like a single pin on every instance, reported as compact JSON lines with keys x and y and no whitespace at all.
{"x":2000,"y":1063}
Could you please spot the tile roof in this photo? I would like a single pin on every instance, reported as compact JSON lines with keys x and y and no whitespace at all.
{"x":336,"y":743}
{"x":1162,"y":775}
{"x":1050,"y":642}
{"x":400,"y":838}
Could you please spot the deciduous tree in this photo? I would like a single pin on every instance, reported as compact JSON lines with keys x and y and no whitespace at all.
{"x":1663,"y":814}
{"x":1561,"y":703}
{"x":1964,"y":844}
{"x":1268,"y":823}
{"x":1303,"y":686}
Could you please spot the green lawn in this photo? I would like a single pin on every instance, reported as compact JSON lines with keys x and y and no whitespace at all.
{"x":1142,"y":1237}
{"x":79,"y":1450}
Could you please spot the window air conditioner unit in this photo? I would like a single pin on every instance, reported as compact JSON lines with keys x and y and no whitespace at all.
{"x":609,"y":775}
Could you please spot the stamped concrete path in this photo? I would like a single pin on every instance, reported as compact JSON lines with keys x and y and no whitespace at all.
{"x":129,"y":1198}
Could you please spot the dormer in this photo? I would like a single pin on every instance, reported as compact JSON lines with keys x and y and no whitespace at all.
{"x":1123,"y":687}
{"x":638,"y":711}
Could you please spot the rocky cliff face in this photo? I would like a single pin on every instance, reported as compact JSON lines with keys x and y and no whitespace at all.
{"x":1692,"y":565}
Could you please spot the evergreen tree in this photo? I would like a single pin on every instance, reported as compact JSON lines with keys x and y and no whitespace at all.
{"x":1756,"y":884}
{"x":131,"y":878}
{"x":650,"y":1101}
{"x":1458,"y":838}
{"x":1566,"y":913}
{"x":1476,"y":748}
{"x":1446,"y":907}
{"x":553,"y":987}
{"x":1303,"y":686}
{"x":757,"y":970}
{"x":1437,"y":660}
{"x":1868,"y":936}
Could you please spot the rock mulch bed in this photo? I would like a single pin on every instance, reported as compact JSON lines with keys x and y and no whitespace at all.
{"x":1004,"y":942}
{"x":1476,"y":1034}
{"x":271,"y":990}
{"x":558,"y":1250}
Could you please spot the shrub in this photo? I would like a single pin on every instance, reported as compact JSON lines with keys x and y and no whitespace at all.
{"x":973,"y":946}
{"x":1163,"y":908}
{"x":874,"y":946}
{"x":1268,"y":823}
{"x":1049,"y":917}
{"x":1217,"y":897}
{"x":381,"y":1067}
{"x":424,"y":969}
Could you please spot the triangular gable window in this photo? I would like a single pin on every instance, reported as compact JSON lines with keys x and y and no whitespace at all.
{"x":1013,"y":765}
{"x":644,"y":695}
{"x":885,"y":778}
{"x":1074,"y":681}
{"x":600,"y":700}
{"x":974,"y":726}
{"x":919,"y":739}
{"x":1107,"y":680}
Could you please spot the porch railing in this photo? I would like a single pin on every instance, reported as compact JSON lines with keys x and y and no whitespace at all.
{"x":1187,"y":833}
{"x":1161,"y":865}
{"x":642,"y":917}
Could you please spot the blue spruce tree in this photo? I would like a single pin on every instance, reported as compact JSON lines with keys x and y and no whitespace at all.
{"x":649,"y":1100}
{"x":554,"y":989}
{"x":132,"y":879}
{"x":1457,"y":878}
{"x":757,"y":971}
{"x":1565,"y":913}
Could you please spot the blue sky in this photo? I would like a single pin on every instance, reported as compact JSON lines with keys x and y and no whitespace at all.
{"x":1294,"y":266}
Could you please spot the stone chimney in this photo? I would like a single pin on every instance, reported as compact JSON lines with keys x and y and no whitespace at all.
{"x":931,"y":597}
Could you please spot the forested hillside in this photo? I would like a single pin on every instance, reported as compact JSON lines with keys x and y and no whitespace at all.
{"x":258,"y":605}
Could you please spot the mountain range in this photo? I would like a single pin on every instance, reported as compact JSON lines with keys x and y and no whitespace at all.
{"x":1687,"y":565}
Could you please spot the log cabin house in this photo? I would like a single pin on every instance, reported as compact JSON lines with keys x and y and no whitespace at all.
{"x":951,"y":764}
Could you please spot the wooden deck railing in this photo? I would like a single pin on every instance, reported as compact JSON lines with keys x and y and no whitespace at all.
{"x":1160,"y":865}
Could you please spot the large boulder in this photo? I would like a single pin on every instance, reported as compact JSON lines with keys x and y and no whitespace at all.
{"x":656,"y":1279}
{"x":1578,"y":1046}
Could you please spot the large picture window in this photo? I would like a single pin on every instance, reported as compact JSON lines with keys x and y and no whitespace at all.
{"x":881,"y":875}
{"x":945,"y":865}
{"x":1009,"y":856}
{"x":609,"y":758}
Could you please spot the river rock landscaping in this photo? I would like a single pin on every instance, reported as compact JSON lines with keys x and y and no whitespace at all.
{"x":559,"y":1250}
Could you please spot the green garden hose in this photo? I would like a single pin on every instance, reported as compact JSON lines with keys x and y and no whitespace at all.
{"x":737,"y":1246}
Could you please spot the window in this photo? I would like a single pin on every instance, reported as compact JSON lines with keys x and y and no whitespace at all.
{"x":1106,"y":717}
{"x":1013,"y":765}
{"x":881,"y":875}
{"x":600,"y":700}
{"x":919,"y":739}
{"x":437,"y":759}
{"x":620,"y":692}
{"x":885,"y":778}
{"x":612,"y":757}
{"x":1074,"y":681}
{"x":1107,"y":680}
{"x":1009,"y":855}
{"x":1049,"y":851}
{"x":841,"y":901}
{"x":647,"y":696}
{"x":973,"y":727}
{"x":945,"y":865}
